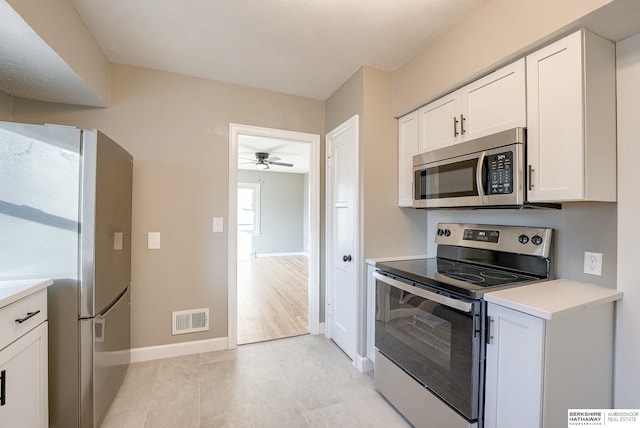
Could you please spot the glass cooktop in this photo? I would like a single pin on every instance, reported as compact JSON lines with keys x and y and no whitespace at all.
{"x":460,"y":277}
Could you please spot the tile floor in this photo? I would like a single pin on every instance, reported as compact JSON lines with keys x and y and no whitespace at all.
{"x":304,"y":381}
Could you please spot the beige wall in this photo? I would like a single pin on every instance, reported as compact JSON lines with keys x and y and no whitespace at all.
{"x":346,"y":101}
{"x":5,"y":106}
{"x":176,"y":128}
{"x":60,"y":26}
{"x":388,"y":229}
{"x":501,"y":31}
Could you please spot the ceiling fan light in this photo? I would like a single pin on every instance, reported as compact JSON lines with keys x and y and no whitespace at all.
{"x":261,"y":165}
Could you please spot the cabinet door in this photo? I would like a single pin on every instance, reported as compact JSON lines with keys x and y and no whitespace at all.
{"x":407,"y":148}
{"x":555,"y":133}
{"x":440,"y":123}
{"x":514,"y":370}
{"x":495,"y":102}
{"x":23,"y":365}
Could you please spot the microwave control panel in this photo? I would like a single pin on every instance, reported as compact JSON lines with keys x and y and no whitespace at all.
{"x":500,"y":177}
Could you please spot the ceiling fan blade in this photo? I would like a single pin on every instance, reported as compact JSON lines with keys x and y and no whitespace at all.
{"x":272,"y":159}
{"x":280,"y":163}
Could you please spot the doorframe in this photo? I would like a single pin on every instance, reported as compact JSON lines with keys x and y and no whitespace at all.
{"x":235,"y":130}
{"x":353,"y":121}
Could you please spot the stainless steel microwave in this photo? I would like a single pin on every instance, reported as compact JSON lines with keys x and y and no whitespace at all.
{"x":485,"y":172}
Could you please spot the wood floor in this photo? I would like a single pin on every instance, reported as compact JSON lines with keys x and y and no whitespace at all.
{"x":272,"y":298}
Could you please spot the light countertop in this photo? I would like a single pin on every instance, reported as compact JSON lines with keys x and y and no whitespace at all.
{"x":553,"y":299}
{"x":14,"y":290}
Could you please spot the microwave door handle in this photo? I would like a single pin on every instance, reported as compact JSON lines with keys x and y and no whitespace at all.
{"x":460,"y":305}
{"x":479,"y":179}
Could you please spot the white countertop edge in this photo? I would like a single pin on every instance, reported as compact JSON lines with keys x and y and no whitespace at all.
{"x":373,"y":261}
{"x":13,"y":290}
{"x":548,"y":300}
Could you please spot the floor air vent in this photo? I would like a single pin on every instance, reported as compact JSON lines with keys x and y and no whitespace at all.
{"x":190,"y":321}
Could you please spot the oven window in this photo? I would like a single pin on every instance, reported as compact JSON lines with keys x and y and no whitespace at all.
{"x":448,"y":181}
{"x":434,"y":343}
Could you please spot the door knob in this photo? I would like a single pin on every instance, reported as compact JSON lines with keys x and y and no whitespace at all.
{"x":346,"y":258}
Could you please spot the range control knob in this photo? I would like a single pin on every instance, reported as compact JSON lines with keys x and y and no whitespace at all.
{"x":447,"y":232}
{"x":440,"y":232}
{"x":536,"y":239}
{"x":523,"y":239}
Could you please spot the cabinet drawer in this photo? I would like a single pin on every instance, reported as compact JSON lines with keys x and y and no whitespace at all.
{"x":10,"y":328}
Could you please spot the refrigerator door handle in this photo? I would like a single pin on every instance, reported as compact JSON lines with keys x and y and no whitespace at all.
{"x":107,"y":308}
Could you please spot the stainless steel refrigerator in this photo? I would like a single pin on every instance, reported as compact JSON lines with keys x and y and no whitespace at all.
{"x":65,"y":213}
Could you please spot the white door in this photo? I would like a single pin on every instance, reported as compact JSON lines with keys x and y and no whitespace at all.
{"x":342,"y":233}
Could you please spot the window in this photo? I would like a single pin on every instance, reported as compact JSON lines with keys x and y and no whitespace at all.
{"x":249,"y":208}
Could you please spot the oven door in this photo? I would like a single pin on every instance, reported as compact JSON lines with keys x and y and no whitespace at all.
{"x":453,"y":182}
{"x":435,"y":338}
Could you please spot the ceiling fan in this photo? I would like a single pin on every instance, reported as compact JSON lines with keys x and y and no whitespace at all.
{"x":263,"y":160}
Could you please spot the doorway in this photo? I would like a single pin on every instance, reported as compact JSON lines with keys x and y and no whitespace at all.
{"x":273,"y":256}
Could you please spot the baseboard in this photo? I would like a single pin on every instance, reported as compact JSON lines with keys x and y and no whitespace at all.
{"x":149,"y":353}
{"x":299,"y":253}
{"x":363,"y":364}
{"x":321,"y":328}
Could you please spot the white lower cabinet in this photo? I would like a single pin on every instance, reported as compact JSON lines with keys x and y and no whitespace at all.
{"x":537,"y":369}
{"x":23,"y":354}
{"x":515,"y":357}
{"x":23,"y":384}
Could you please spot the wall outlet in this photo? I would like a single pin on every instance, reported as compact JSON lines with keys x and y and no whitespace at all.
{"x":593,"y":263}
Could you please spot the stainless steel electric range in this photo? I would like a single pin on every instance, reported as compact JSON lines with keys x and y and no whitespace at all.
{"x":430,"y":326}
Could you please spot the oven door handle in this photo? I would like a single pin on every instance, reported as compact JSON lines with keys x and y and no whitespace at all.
{"x":460,"y":305}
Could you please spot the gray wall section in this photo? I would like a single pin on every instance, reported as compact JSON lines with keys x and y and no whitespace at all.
{"x":579,"y":227}
{"x":282,"y":216}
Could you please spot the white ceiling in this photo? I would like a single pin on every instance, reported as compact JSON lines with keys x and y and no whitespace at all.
{"x":29,"y":68}
{"x":306,"y":48}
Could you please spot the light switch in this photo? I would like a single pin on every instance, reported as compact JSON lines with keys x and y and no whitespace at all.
{"x":153,"y":241}
{"x":118,"y":238}
{"x":218,"y":225}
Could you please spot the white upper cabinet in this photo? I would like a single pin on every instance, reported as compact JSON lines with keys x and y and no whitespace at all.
{"x":440,"y":123}
{"x":495,"y":103}
{"x":407,"y":148}
{"x":571,"y":135}
{"x":488,"y":105}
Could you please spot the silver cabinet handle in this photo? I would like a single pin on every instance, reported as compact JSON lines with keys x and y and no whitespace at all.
{"x":462,"y":119}
{"x":460,"y":305}
{"x":530,"y":177}
{"x":455,"y":126}
{"x":490,"y":331}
